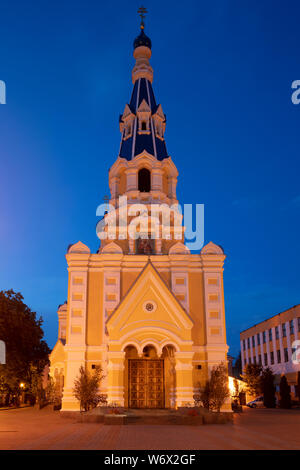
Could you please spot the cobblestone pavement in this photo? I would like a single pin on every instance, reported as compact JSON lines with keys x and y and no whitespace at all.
{"x":253,"y":429}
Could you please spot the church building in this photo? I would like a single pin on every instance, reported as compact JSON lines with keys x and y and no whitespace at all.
{"x":146,"y":309}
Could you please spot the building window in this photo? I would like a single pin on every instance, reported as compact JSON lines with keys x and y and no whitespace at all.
{"x":253,"y":341}
{"x":248,"y":343}
{"x":286,"y":355}
{"x":278,"y":356}
{"x":258,"y":339}
{"x":291,"y":327}
{"x":272,"y":357}
{"x":266,"y":358}
{"x":254,"y":359}
{"x":259,"y":359}
{"x":144,"y":180}
{"x":276,"y":332}
{"x":264,"y":336}
{"x":244,"y":345}
{"x":144,"y":126}
{"x":299,"y":324}
{"x":270,"y":334}
{"x":283,"y":330}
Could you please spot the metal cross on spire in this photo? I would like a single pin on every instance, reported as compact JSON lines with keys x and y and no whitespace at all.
{"x":142,"y":11}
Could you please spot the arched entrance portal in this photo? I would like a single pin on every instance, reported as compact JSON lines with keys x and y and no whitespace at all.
{"x":150,"y":379}
{"x":145,"y":378}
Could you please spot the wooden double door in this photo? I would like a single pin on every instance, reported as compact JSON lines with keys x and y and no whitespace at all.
{"x":146,"y":383}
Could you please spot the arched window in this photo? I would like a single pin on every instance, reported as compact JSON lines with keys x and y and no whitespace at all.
{"x":144,"y":179}
{"x":144,"y":126}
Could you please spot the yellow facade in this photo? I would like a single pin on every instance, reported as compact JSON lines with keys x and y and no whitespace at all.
{"x":162,"y":304}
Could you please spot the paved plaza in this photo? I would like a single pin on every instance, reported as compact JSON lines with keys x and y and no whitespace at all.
{"x":45,"y":429}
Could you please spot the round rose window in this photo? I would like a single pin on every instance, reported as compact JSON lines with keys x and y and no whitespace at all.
{"x":149,"y":306}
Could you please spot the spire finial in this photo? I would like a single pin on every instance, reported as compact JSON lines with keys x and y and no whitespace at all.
{"x":142,"y":11}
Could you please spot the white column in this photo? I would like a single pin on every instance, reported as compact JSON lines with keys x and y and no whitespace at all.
{"x":262,"y":349}
{"x":274,"y":346}
{"x":296,"y":334}
{"x":246,"y":350}
{"x":131,"y":179}
{"x":256,"y":348}
{"x":114,"y":187}
{"x":268,"y":347}
{"x":156,"y":179}
{"x":242,"y":354}
{"x":251,"y":350}
{"x":281,"y":346}
{"x":288,"y":338}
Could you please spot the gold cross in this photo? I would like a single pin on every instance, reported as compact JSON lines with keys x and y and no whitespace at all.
{"x":142,"y":11}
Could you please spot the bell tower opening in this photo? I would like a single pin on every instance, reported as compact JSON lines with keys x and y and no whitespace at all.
{"x":144,"y":180}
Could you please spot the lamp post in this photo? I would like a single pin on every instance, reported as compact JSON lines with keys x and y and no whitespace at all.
{"x":22,"y":387}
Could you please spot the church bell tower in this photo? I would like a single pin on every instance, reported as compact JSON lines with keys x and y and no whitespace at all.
{"x":143,"y":308}
{"x":144,"y":171}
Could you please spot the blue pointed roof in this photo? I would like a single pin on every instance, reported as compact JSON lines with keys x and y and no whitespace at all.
{"x":134,"y":145}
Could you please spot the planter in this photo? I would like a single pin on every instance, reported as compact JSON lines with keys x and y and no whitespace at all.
{"x":114,"y":419}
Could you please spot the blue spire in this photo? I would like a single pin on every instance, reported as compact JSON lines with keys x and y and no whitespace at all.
{"x":143,"y":121}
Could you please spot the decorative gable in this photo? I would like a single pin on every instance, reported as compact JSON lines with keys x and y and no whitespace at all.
{"x":179,"y":249}
{"x":144,"y":113}
{"x":112,"y":248}
{"x":150,"y":310}
{"x":212,"y":248}
{"x":78,"y":247}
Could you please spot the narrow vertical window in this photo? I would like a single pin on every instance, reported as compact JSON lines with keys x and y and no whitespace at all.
{"x":144,"y":180}
{"x":278,"y":356}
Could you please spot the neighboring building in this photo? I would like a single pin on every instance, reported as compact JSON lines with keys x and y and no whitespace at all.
{"x":270,"y":343}
{"x":148,"y":311}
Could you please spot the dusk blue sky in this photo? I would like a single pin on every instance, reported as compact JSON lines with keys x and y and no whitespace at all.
{"x":222,"y":72}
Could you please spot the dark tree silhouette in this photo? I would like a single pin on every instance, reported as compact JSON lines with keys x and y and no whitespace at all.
{"x":25,"y":348}
{"x":252,"y":378}
{"x":268,"y":388}
{"x":285,"y":393}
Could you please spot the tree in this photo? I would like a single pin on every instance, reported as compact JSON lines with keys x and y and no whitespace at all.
{"x":205,"y":395}
{"x":35,"y":387}
{"x":86,"y":388}
{"x":216,"y":388}
{"x":252,"y":378}
{"x":25,"y":348}
{"x":268,"y":387}
{"x":219,"y":390}
{"x":237,"y":368}
{"x":53,"y":392}
{"x":285,"y":393}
